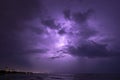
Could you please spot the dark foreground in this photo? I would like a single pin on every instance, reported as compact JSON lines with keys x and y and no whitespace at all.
{"x":34,"y":76}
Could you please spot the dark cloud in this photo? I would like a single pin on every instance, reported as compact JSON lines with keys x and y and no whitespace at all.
{"x":56,"y":57}
{"x":92,"y":49}
{"x":62,"y":31}
{"x":81,"y":17}
{"x":50,"y":23}
{"x":67,"y":14}
{"x":87,"y":32}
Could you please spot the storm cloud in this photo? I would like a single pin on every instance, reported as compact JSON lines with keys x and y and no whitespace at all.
{"x":92,"y":49}
{"x":50,"y":23}
{"x":81,"y":17}
{"x":60,"y":35}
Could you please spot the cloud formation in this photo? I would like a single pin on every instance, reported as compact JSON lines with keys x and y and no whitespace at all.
{"x":87,"y":48}
{"x":67,"y":14}
{"x":29,"y":37}
{"x":50,"y":23}
{"x":81,"y":17}
{"x":92,"y":49}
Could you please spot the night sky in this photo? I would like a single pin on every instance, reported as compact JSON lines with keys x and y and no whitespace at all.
{"x":66,"y":36}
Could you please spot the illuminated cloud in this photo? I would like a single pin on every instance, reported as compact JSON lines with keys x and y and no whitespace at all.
{"x":55,"y":35}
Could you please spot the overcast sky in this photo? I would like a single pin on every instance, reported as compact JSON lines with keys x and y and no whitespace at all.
{"x":67,"y":36}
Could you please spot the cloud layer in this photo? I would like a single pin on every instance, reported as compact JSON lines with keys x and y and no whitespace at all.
{"x":33,"y":32}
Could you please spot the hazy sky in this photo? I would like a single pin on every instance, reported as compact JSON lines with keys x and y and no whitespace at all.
{"x":67,"y":36}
